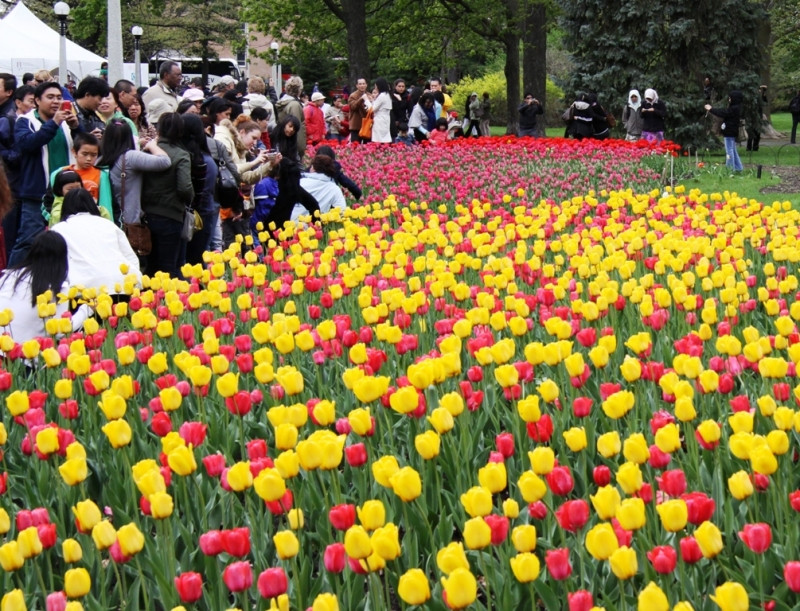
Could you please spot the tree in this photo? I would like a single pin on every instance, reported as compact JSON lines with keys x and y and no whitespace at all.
{"x":618,"y":45}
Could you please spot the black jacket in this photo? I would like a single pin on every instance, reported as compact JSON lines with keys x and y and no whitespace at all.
{"x":653,"y":121}
{"x":730,"y":115}
{"x":527,"y":114}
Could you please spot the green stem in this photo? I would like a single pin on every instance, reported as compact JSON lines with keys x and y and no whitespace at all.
{"x":487,"y":586}
{"x":142,"y":581}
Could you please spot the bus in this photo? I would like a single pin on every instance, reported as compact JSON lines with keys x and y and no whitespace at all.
{"x":192,"y":67}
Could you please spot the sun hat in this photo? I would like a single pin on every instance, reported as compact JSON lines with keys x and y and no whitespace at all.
{"x":316,"y":96}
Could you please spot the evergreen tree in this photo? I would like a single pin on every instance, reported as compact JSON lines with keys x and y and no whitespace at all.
{"x":619,"y":45}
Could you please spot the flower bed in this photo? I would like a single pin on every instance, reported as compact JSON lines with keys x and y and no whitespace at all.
{"x":478,"y":399}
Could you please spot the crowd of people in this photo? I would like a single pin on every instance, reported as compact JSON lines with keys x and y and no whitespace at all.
{"x":151,"y":178}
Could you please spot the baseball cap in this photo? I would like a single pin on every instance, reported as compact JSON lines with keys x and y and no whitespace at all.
{"x":317,"y":96}
{"x":195,"y":95}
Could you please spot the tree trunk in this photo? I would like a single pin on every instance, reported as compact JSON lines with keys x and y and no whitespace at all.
{"x":204,"y":45}
{"x":764,"y":38}
{"x":355,"y":14}
{"x":511,"y":40}
{"x":534,"y":56}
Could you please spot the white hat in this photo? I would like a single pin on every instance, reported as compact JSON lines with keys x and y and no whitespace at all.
{"x":195,"y":95}
{"x":155,"y":109}
{"x":316,"y":96}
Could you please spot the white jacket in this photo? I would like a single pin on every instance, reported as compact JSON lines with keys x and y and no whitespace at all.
{"x":96,"y":248}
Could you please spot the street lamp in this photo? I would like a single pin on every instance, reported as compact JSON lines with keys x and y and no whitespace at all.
{"x":61,"y":10}
{"x":276,"y":66}
{"x":137,"y":35}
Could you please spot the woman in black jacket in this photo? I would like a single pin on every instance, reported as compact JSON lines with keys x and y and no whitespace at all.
{"x":284,"y":138}
{"x":730,"y":127}
{"x":654,"y":111}
{"x":599,"y":121}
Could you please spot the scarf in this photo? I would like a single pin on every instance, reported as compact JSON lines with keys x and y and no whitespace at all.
{"x":635,"y":105}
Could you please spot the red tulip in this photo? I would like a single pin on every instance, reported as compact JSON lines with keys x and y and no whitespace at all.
{"x":505,"y":444}
{"x":56,"y":601}
{"x":700,"y":507}
{"x":356,"y":454}
{"x":239,"y":404}
{"x":580,"y":601}
{"x":272,"y":582}
{"x":541,"y":430}
{"x":537,"y":510}
{"x":558,"y":565}
{"x":794,"y":500}
{"x":560,"y":481}
{"x":672,"y":482}
{"x":582,"y":407}
{"x":658,"y":459}
{"x":236,"y":541}
{"x":211,"y":543}
{"x":758,"y":537}
{"x":499,"y":526}
{"x":238,"y":576}
{"x":193,"y":433}
{"x":256,"y":448}
{"x":47,"y":535}
{"x":189,"y":586}
{"x":791,"y":574}
{"x":334,"y":558}
{"x":214,"y":464}
{"x":342,"y":517}
{"x":663,"y":558}
{"x":572,"y":515}
{"x":690,"y":550}
{"x":601,"y":475}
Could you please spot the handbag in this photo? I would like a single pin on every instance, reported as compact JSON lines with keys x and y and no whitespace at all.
{"x":366,"y":126}
{"x":138,"y":234}
{"x":227,"y":187}
{"x":191,"y":223}
{"x":611,"y":120}
{"x":568,"y":114}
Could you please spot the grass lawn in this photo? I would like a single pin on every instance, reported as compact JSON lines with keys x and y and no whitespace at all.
{"x":713,"y":176}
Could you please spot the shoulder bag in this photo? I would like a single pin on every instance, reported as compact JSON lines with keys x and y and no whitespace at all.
{"x":227,"y":189}
{"x":138,"y":234}
{"x":366,"y":126}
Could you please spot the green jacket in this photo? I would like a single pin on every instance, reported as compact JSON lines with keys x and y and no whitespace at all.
{"x":104,"y":202}
{"x":168,"y":193}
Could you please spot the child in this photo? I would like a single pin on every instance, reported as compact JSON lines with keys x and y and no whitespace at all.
{"x":264,"y":194}
{"x":403,"y":135}
{"x":61,"y":182}
{"x":95,"y":180}
{"x":341,"y":178}
{"x":440,"y":134}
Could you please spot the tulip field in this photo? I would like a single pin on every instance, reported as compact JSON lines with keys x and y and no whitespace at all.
{"x":518,"y":374}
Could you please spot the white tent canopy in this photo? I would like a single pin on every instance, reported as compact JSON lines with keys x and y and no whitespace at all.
{"x":28,"y":44}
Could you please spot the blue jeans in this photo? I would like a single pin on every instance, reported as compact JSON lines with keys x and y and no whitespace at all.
{"x":169,"y":249}
{"x":732,"y":155}
{"x":31,"y":224}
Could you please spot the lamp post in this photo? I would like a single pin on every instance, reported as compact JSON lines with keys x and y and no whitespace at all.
{"x":61,"y":10}
{"x":276,"y":66}
{"x":137,"y":60}
{"x":114,"y":38}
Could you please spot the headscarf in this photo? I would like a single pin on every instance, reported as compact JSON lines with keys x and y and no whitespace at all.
{"x":635,"y":105}
{"x":651,"y":93}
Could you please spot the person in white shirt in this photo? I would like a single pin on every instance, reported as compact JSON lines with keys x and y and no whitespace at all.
{"x":319,"y":182}
{"x":97,"y":247}
{"x":44,"y":270}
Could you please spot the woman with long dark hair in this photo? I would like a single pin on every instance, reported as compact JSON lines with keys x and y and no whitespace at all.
{"x":423,"y":117}
{"x":289,"y":190}
{"x":168,"y":193}
{"x":382,"y":112}
{"x":97,"y":247}
{"x":118,"y":154}
{"x":44,"y":269}
{"x":196,"y":142}
{"x":135,"y":112}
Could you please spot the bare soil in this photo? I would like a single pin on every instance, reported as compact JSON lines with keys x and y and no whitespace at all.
{"x":790,"y":180}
